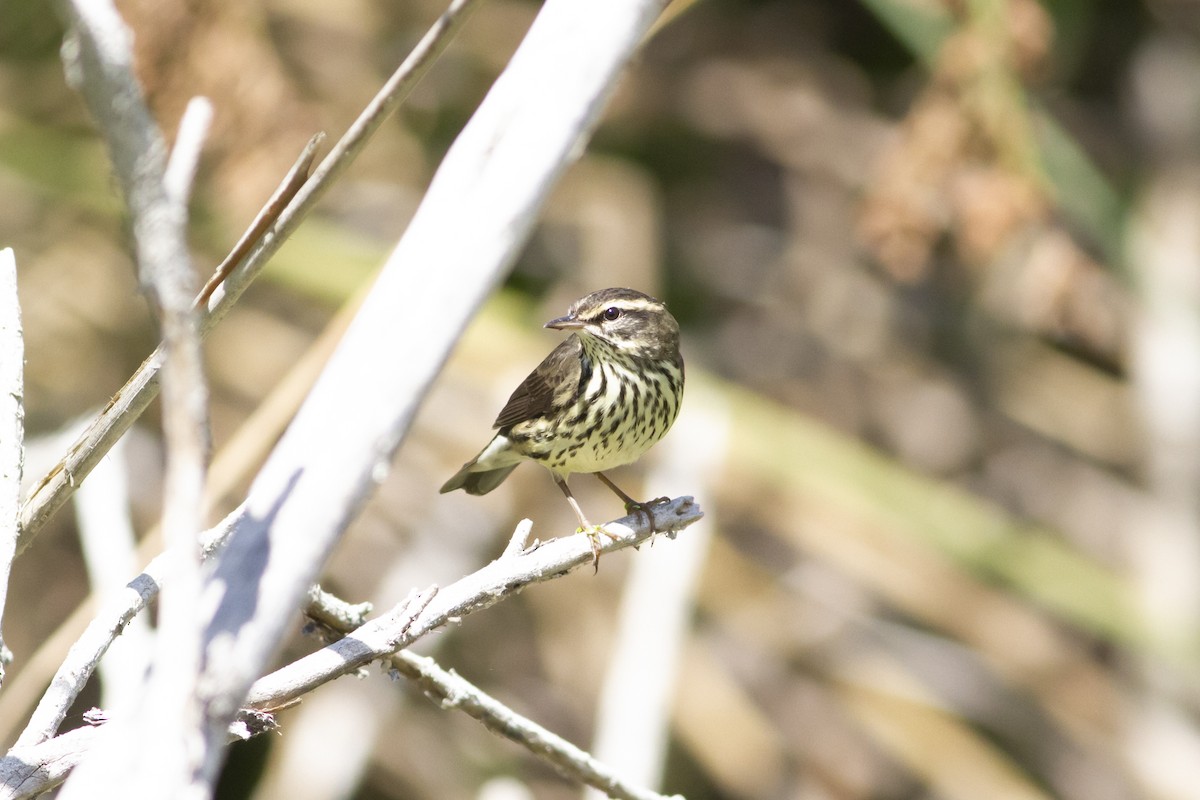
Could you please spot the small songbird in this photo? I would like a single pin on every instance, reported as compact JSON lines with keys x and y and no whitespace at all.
{"x":601,"y":399}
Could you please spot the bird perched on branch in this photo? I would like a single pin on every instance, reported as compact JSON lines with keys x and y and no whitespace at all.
{"x":600,"y":400}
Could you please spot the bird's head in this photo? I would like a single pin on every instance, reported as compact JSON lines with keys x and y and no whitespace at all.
{"x":634,"y":323}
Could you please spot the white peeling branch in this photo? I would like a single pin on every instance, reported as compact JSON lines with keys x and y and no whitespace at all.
{"x":12,"y":427}
{"x":508,"y":575}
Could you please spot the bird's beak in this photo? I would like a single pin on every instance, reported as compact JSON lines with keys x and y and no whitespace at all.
{"x":564,"y":323}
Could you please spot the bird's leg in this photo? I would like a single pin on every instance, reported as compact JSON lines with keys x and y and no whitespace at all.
{"x":632,"y":505}
{"x":584,"y":526}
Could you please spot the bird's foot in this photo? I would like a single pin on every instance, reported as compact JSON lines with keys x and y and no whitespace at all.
{"x":593,"y":534}
{"x":635,"y":507}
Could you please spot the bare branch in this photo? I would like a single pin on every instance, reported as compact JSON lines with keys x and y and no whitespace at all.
{"x":181,"y":167}
{"x":12,"y":427}
{"x":109,"y":544}
{"x":502,"y":578}
{"x":267,"y":216}
{"x":385,"y":101}
{"x":100,"y":59}
{"x":452,"y":691}
{"x":519,"y":541}
{"x":26,"y":772}
{"x":335,"y":613}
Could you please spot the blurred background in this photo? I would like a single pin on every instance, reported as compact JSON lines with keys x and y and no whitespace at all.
{"x":937,"y":264}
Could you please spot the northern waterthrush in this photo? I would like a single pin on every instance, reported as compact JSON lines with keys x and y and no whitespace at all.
{"x":601,"y":399}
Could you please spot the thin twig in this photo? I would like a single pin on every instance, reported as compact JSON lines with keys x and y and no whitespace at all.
{"x":451,"y":690}
{"x":482,"y":589}
{"x":12,"y":427}
{"x":376,"y":112}
{"x":267,"y":216}
{"x":519,"y":541}
{"x":334,"y":612}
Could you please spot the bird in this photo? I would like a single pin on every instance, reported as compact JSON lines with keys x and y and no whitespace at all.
{"x":602,"y":398}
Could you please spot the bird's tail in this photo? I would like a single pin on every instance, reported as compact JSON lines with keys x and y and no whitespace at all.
{"x":480,"y":482}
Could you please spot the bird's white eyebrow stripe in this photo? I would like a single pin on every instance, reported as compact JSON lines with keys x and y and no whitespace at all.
{"x":626,"y":304}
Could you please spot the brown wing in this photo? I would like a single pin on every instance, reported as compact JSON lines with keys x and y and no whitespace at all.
{"x":551,"y":383}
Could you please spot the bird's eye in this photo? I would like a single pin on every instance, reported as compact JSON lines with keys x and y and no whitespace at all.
{"x":611,"y":313}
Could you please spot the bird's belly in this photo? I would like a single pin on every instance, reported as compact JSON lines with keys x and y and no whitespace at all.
{"x":612,"y":428}
{"x":597,"y":455}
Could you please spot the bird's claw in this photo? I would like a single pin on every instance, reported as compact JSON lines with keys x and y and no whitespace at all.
{"x":593,"y":535}
{"x":644,"y":508}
